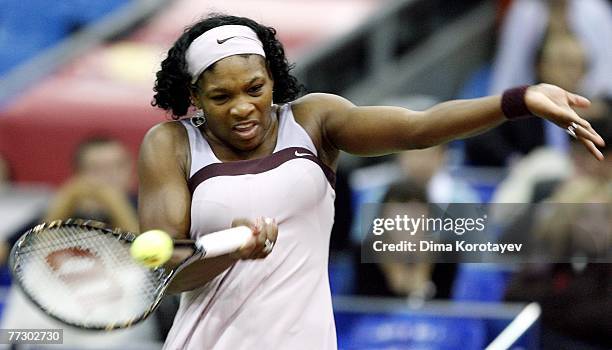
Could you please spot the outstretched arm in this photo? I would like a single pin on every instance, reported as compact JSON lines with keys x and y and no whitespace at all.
{"x":382,"y":130}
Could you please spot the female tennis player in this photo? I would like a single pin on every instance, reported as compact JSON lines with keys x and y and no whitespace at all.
{"x":254,"y":153}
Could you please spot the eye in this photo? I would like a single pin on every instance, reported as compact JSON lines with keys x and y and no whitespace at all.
{"x":219,"y":98}
{"x":255,"y":89}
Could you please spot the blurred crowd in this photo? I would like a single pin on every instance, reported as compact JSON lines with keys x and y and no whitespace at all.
{"x":562,"y":42}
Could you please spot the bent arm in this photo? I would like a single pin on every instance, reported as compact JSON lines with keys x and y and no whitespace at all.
{"x":165,"y":202}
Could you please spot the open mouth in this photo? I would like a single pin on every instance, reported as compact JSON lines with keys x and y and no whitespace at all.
{"x":245,"y":130}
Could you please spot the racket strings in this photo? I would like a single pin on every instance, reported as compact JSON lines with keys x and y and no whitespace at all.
{"x":43,"y":243}
{"x":86,"y":276}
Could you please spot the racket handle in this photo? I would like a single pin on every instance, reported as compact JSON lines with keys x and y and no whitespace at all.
{"x":223,"y":242}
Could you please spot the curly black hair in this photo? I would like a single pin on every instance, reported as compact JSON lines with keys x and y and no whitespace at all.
{"x":173,"y":80}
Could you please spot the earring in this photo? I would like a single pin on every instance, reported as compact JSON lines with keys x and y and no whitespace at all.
{"x":198,"y":118}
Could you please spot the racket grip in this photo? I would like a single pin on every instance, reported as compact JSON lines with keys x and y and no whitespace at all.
{"x":223,"y":242}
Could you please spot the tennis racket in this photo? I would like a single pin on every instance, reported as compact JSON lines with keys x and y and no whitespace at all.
{"x":81,"y":273}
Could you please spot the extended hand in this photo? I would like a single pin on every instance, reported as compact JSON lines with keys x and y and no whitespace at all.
{"x":555,"y":104}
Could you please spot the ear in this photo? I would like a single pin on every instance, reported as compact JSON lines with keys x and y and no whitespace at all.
{"x":193,"y":97}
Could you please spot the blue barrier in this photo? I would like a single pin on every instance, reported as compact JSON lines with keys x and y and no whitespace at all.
{"x":380,"y":331}
{"x":386,"y":323}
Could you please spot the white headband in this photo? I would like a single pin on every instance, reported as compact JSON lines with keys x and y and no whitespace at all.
{"x":218,"y":43}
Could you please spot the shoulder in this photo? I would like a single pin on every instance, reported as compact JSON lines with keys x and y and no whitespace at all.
{"x":313,"y":112}
{"x":166,"y":142}
{"x":166,"y":134}
{"x":320,"y":104}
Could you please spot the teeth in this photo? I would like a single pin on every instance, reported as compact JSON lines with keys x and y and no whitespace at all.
{"x":244,"y":127}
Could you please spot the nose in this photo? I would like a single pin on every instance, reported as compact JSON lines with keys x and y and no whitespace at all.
{"x":242,"y":109}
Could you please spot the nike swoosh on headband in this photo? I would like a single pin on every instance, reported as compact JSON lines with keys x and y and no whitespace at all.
{"x":221,"y":41}
{"x":297,"y":154}
{"x":213,"y":45}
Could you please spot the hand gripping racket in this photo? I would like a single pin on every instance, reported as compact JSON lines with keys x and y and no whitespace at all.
{"x":81,"y":273}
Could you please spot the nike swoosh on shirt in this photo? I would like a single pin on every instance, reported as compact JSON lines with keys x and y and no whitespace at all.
{"x":221,"y":41}
{"x":298,"y":154}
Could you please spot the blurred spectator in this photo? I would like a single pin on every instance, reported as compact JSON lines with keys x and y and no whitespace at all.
{"x":530,"y":22}
{"x":397,"y":278}
{"x":418,"y":281}
{"x":100,"y":188}
{"x":585,"y":168}
{"x":576,"y":297}
{"x":581,"y":224}
{"x":559,"y":42}
{"x":428,"y":168}
{"x":418,"y":177}
{"x":547,"y":175}
{"x":537,"y":175}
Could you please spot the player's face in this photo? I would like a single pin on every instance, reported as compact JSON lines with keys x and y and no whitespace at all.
{"x":236,"y":96}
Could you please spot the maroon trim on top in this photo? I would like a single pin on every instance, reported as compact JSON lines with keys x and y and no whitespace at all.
{"x":257,"y":166}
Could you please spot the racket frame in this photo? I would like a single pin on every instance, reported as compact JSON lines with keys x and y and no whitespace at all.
{"x":165,"y":274}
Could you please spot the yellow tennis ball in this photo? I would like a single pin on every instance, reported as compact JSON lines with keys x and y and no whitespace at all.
{"x":152,"y":248}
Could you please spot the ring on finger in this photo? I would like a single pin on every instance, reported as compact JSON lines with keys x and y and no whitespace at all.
{"x":571,"y":130}
{"x":268,"y":245}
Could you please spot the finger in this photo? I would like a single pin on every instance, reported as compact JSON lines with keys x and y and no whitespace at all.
{"x":273,"y":233}
{"x":592,"y":148}
{"x":262,"y":232}
{"x":595,"y":137}
{"x":585,"y":130}
{"x":584,"y":127}
{"x":260,"y":238}
{"x":243,"y":222}
{"x":577,"y":100}
{"x":270,"y":229}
